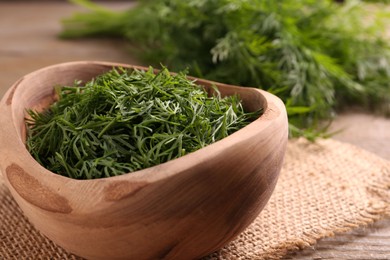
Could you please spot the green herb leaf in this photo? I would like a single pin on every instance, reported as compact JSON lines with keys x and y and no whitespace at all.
{"x":318,"y":54}
{"x":127,"y":120}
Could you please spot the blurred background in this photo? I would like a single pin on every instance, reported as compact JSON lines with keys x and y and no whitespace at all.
{"x":29,"y":39}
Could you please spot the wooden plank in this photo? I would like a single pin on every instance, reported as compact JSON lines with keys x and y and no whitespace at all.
{"x":372,"y":242}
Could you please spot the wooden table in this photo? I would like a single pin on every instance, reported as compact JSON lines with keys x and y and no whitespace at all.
{"x":28,"y":42}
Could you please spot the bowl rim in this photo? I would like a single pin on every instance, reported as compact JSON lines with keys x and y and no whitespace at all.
{"x":273,"y":110}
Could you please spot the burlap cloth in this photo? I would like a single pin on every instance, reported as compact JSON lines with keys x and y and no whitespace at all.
{"x":323,"y":188}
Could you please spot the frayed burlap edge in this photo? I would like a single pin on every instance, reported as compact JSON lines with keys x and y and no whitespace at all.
{"x":377,"y":196}
{"x":378,"y":209}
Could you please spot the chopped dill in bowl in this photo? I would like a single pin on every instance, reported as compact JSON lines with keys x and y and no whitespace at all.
{"x":127,"y":120}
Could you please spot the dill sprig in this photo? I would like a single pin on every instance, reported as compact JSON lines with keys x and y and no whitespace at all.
{"x":126,"y":120}
{"x":315,"y":55}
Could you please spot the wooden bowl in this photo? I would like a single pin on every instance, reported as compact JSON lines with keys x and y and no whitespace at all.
{"x":182,"y":209}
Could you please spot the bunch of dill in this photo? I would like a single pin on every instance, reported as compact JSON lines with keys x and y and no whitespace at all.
{"x":315,"y":55}
{"x":127,"y":120}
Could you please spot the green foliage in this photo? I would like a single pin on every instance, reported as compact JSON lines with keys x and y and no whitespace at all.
{"x":315,"y":55}
{"x":124,"y":121}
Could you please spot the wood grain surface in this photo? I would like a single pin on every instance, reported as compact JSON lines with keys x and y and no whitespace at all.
{"x":371,"y":242}
{"x":28,"y":42}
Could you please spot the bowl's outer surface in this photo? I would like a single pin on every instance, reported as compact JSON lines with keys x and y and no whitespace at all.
{"x":182,"y":209}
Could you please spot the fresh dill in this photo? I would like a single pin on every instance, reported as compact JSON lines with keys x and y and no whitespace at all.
{"x":315,"y":55}
{"x":126,"y":120}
